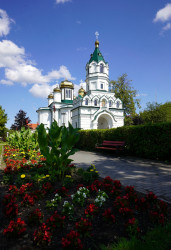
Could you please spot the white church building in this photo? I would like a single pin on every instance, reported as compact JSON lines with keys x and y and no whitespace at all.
{"x":93,"y":108}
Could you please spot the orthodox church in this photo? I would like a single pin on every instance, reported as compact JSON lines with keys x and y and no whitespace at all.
{"x":93,"y":108}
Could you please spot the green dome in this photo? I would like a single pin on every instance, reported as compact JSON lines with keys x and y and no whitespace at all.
{"x":97,"y":55}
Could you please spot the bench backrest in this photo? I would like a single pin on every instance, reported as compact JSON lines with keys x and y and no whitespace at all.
{"x":114,"y":143}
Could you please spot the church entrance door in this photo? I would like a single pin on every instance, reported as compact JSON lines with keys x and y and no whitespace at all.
{"x":104,"y":122}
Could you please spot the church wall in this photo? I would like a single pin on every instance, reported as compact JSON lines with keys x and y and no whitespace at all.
{"x":45,"y":118}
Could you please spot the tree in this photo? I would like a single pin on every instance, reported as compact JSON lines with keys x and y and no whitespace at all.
{"x":20,"y":121}
{"x":3,"y":121}
{"x":125,"y":92}
{"x":156,"y":112}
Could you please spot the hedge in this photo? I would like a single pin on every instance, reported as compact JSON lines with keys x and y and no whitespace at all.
{"x":149,"y":141}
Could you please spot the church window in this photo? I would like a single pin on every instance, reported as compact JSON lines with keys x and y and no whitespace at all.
{"x":101,"y":85}
{"x":117,"y":104}
{"x":103,"y":103}
{"x":110,"y":103}
{"x":68,"y":93}
{"x":101,"y":68}
{"x":86,"y":102}
{"x":95,"y":102}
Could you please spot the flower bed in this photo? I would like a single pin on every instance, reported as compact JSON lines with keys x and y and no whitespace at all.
{"x":80,"y":212}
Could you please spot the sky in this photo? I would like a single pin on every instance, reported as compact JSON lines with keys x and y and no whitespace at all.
{"x":43,"y":42}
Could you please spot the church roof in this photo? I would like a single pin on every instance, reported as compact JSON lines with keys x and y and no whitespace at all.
{"x":97,"y":55}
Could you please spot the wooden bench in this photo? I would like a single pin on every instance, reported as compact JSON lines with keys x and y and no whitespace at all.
{"x":112,"y":145}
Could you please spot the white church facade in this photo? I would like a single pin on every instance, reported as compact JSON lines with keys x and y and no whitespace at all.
{"x":93,"y":108}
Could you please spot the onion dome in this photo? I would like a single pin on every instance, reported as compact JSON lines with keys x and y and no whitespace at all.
{"x":56,"y":89}
{"x":97,"y":55}
{"x":66,"y":84}
{"x":50,"y":96}
{"x":81,"y":92}
{"x":96,"y":43}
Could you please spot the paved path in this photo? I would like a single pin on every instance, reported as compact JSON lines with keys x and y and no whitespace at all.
{"x":144,"y":175}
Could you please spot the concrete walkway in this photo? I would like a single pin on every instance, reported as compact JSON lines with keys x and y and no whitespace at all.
{"x":144,"y":175}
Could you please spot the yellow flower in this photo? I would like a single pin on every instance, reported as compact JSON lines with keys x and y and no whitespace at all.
{"x":13,"y":155}
{"x":68,"y":176}
{"x":23,"y":176}
{"x":97,"y":171}
{"x":47,"y":175}
{"x":91,"y":170}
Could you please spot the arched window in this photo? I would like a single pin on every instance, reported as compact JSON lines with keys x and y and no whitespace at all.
{"x":86,"y":101}
{"x":117,"y":104}
{"x":101,"y":68}
{"x":95,"y":102}
{"x":110,"y":103}
{"x":103,"y":103}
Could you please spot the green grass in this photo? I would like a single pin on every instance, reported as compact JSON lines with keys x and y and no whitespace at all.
{"x":157,"y":239}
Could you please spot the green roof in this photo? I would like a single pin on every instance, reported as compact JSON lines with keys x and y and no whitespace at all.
{"x":96,"y":56}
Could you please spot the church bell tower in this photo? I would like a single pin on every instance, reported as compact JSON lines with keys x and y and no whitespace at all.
{"x":97,"y":70}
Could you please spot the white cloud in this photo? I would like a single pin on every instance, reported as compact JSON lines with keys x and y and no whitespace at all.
{"x":10,"y":54}
{"x":62,"y":1}
{"x":164,"y":14}
{"x":167,"y":27}
{"x":6,"y":82}
{"x":18,"y":69}
{"x":63,"y":72}
{"x":4,"y":23}
{"x":41,"y":91}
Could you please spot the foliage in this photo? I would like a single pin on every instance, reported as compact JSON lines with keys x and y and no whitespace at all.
{"x":3,"y":121}
{"x":156,"y":113}
{"x":158,"y":238}
{"x":20,"y":121}
{"x":125,"y":92}
{"x":24,"y":140}
{"x":57,"y":146}
{"x":73,"y":226}
{"x":150,"y":141}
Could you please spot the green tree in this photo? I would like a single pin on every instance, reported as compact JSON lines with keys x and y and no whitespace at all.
{"x":156,"y":112}
{"x":20,"y":121}
{"x":127,"y":94}
{"x":3,"y":121}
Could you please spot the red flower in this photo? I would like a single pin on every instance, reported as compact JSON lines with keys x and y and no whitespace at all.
{"x":108,"y":216}
{"x":72,"y":241}
{"x":91,"y":209}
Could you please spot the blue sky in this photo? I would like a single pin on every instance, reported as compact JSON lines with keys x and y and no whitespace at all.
{"x":45,"y":41}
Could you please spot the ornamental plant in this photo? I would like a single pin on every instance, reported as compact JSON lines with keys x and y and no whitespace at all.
{"x":42,"y":236}
{"x":101,"y":198}
{"x":28,"y":200}
{"x":55,"y":220}
{"x":72,"y":241}
{"x":68,"y":209}
{"x":63,"y":191}
{"x":84,"y":227}
{"x":54,"y":202}
{"x":91,"y":210}
{"x":132,"y":227}
{"x":108,"y":216}
{"x":57,"y":146}
{"x":15,"y":229}
{"x":80,"y":196}
{"x":10,"y":206}
{"x":35,"y":217}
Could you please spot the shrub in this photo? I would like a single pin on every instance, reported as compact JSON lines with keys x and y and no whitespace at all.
{"x":151,"y":141}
